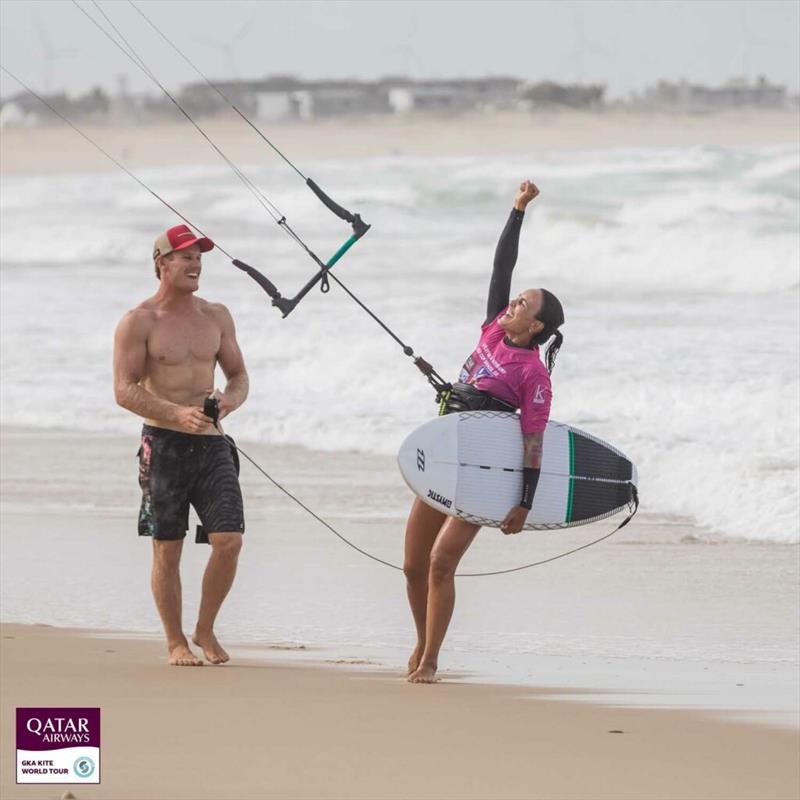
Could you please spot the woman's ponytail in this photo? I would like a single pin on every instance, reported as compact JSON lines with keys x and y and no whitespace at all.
{"x":552,"y":315}
{"x":552,"y":350}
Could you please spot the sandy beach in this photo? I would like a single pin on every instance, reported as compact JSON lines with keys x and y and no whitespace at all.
{"x":290,"y":718}
{"x":256,"y":729}
{"x":56,"y":148}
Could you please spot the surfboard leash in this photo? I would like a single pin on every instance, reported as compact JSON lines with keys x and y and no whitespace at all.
{"x":634,"y":502}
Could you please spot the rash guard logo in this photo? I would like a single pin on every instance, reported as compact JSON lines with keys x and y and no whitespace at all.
{"x":538,"y":395}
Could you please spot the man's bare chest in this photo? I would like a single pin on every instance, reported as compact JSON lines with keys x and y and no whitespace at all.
{"x":177,"y":341}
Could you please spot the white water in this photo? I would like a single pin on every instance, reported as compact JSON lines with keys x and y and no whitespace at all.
{"x":677,"y":267}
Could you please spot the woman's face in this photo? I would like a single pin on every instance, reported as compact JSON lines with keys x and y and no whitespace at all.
{"x":522,"y":312}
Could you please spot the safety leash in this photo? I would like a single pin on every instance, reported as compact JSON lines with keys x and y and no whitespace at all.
{"x":211,"y":410}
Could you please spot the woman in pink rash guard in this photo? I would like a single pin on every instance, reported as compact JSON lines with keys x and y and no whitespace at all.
{"x":503,"y":372}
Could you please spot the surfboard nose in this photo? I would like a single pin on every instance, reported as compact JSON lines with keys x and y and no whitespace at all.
{"x":428,"y":459}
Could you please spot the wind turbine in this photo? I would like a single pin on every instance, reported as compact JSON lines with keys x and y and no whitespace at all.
{"x":406,"y":50}
{"x":228,"y":48}
{"x":582,"y":43}
{"x":50,"y":55}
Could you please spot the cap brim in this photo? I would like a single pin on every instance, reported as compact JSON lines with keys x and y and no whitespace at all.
{"x":204,"y":243}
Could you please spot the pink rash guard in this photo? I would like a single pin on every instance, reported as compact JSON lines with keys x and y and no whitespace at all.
{"x":514,"y":374}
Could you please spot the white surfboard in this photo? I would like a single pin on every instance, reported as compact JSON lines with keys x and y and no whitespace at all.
{"x":469,"y":465}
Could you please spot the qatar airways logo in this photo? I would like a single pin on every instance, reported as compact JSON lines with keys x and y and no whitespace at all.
{"x":59,"y":730}
{"x":58,"y":745}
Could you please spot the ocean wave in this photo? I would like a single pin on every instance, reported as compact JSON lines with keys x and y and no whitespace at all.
{"x":677,"y":267}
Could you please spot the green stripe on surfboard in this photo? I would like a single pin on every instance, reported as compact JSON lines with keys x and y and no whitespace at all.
{"x":568,"y":517}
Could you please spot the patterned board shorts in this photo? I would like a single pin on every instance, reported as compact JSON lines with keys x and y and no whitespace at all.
{"x":177,"y":470}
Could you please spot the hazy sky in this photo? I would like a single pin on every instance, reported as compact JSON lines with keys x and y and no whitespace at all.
{"x":626,"y":44}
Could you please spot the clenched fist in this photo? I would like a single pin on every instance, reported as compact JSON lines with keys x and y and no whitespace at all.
{"x":528,"y":190}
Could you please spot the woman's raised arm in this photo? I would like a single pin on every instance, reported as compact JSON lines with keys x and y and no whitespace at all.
{"x":505,"y":256}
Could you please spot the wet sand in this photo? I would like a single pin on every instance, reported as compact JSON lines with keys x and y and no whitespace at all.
{"x":255,"y":729}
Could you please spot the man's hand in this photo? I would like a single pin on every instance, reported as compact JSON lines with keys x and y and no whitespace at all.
{"x":528,"y":191}
{"x":192,"y":420}
{"x":514,"y":520}
{"x":224,"y":404}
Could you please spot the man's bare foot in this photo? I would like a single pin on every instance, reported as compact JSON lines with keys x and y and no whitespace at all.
{"x":424,"y":673}
{"x":212,"y":649}
{"x":416,"y":656}
{"x":182,"y":656}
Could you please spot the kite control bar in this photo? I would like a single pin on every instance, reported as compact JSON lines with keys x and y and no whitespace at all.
{"x":286,"y":304}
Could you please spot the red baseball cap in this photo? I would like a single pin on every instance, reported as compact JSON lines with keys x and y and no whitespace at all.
{"x":179,"y":238}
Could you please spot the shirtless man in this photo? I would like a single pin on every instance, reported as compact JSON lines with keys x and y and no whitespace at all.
{"x":165,"y":353}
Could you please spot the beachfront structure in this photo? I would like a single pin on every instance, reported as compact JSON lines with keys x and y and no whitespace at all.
{"x":25,"y":109}
{"x":285,"y":97}
{"x":268,"y":99}
{"x":404,"y":99}
{"x":341,"y":98}
{"x":736,"y":93}
{"x":461,"y":94}
{"x":548,"y":94}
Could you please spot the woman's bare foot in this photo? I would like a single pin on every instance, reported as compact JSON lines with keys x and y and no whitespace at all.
{"x":416,"y":656}
{"x":212,"y":649}
{"x":181,"y":656}
{"x":424,"y":673}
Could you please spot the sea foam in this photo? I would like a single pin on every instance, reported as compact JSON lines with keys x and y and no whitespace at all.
{"x":677,"y":268}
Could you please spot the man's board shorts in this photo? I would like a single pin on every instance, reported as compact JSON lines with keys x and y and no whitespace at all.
{"x":177,"y":470}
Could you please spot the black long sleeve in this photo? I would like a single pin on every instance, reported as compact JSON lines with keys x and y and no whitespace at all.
{"x":505,"y":257}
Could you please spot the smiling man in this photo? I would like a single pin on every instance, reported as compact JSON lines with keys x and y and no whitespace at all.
{"x":166,"y":350}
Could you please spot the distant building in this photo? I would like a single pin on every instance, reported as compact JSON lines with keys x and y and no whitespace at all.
{"x":12,"y":112}
{"x":201,"y":99}
{"x":285,"y":97}
{"x":406,"y":95}
{"x":403,"y":99}
{"x":737,"y":93}
{"x":25,"y":109}
{"x":337,"y":98}
{"x":274,"y":106}
{"x":549,"y":94}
